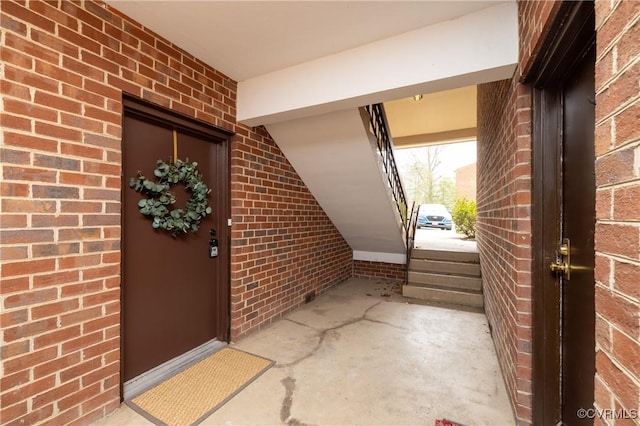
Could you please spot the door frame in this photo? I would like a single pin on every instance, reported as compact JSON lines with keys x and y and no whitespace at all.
{"x":144,"y":110}
{"x":571,"y":34}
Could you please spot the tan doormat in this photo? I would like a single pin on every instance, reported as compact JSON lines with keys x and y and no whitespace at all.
{"x":193,"y":394}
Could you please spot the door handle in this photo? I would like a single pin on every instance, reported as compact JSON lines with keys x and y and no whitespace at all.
{"x":563,"y":266}
{"x":559,"y":267}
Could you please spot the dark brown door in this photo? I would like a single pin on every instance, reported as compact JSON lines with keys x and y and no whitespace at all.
{"x":564,"y":213}
{"x":578,"y":221}
{"x":175,"y":297}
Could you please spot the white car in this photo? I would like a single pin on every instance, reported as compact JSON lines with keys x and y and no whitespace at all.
{"x":434,"y":216}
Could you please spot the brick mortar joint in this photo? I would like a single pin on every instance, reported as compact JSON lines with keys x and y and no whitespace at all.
{"x":133,"y":82}
{"x":619,"y":73}
{"x":630,"y":144}
{"x":613,"y":222}
{"x":619,"y":294}
{"x":622,"y":107}
{"x":635,"y":379}
{"x":619,"y":330}
{"x":624,"y":31}
{"x":614,"y":257}
{"x":613,"y":188}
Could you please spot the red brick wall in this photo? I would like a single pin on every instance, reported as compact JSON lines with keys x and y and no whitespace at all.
{"x":617,"y":239}
{"x":466,"y":181}
{"x":284,"y":246}
{"x":65,"y":67}
{"x":504,"y":194}
{"x":534,"y":19}
{"x":390,"y":271}
{"x":504,"y":230}
{"x":504,"y":208}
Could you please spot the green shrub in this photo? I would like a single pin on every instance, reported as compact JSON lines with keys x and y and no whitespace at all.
{"x":464,"y":217}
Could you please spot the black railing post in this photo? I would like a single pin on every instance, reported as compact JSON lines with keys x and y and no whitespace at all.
{"x":410,"y":237}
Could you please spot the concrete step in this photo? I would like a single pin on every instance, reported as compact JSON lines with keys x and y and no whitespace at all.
{"x":449,"y":256}
{"x":445,"y":267}
{"x":444,"y":296}
{"x":454,"y":282}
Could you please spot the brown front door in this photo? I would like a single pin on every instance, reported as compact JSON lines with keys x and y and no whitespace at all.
{"x":564,"y":219}
{"x":578,"y":221}
{"x":175,"y":296}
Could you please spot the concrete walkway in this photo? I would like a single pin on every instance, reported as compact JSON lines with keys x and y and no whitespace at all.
{"x":361,"y":354}
{"x":437,"y":239}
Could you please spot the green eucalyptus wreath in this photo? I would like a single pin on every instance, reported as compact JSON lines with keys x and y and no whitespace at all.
{"x":160,"y":197}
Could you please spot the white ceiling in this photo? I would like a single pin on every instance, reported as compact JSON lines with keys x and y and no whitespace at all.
{"x":442,"y":117}
{"x":245,"y":39}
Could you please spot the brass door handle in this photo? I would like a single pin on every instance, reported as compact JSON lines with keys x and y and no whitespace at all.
{"x":559,"y":267}
{"x":563,"y":267}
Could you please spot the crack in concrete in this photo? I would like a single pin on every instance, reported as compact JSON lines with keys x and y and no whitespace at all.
{"x":289,"y":384}
{"x":364,"y":318}
{"x":308,"y":355}
{"x":302,"y":324}
{"x":398,"y":327}
{"x":366,"y":312}
{"x":323,"y":335}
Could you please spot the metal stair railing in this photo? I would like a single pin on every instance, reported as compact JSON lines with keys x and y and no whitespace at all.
{"x":411,"y":237}
{"x":380,"y":129}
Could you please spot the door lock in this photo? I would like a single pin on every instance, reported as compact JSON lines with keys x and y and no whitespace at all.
{"x":559,"y":267}
{"x":213,"y":244}
{"x":563,"y":266}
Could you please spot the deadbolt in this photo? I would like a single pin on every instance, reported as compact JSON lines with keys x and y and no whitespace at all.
{"x":563,"y":266}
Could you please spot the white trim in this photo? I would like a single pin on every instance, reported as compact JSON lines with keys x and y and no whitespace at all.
{"x":399,"y":258}
{"x":476,"y":48}
{"x":149,"y":379}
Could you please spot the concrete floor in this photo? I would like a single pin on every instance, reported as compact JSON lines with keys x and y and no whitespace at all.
{"x":361,"y":354}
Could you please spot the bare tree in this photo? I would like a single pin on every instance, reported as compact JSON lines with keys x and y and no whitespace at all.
{"x":423,"y":182}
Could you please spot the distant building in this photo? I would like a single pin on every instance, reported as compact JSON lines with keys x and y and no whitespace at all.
{"x":466,"y":181}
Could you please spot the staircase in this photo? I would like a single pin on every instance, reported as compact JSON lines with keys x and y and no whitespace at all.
{"x":445,"y":277}
{"x":346,"y":160}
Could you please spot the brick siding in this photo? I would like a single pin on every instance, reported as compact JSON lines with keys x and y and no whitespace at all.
{"x":284,"y":245}
{"x":504,"y":230}
{"x":534,"y":19}
{"x":504,"y":208}
{"x":65,"y":67}
{"x":617,"y":239}
{"x":389,"y":271}
{"x":504,"y":120}
{"x":466,"y":181}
